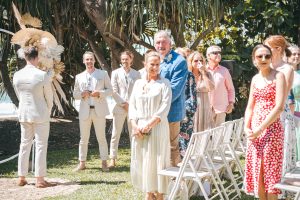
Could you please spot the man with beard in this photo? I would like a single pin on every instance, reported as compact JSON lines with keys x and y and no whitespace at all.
{"x":122,"y":80}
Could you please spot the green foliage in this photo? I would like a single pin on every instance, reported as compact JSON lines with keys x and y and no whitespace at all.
{"x":243,"y":26}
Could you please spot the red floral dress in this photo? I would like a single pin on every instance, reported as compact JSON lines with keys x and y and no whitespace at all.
{"x":267,"y":147}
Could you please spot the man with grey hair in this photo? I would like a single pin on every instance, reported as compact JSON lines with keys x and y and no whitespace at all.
{"x":222,"y":98}
{"x":174,"y":68}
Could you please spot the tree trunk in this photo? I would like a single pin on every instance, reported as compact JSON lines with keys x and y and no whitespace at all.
{"x":114,"y":38}
{"x":97,"y":51}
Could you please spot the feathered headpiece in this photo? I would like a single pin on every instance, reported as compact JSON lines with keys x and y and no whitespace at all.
{"x":49,"y":50}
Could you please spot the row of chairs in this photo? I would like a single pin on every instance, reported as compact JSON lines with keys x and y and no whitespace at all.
{"x":210,"y":156}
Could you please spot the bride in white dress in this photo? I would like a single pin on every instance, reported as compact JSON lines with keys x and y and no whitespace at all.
{"x":150,"y":148}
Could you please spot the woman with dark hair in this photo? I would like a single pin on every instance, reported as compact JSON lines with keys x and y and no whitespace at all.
{"x":263,"y":128}
{"x":187,"y":124}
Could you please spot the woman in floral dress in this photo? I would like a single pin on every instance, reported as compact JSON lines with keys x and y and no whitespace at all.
{"x":263,"y":128}
{"x":187,"y":124}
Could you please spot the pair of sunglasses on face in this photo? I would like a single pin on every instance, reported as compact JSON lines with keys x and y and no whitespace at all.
{"x":216,"y":52}
{"x":266,"y":56}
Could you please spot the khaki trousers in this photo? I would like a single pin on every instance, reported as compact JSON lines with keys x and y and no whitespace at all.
{"x":219,"y":118}
{"x":118,"y":122}
{"x":174,"y":136}
{"x":41,"y":133}
{"x":85,"y":131}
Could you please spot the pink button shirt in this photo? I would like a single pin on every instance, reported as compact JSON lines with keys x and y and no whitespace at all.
{"x":224,"y":93}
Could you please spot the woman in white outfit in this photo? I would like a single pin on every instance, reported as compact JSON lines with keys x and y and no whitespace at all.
{"x":148,"y":110}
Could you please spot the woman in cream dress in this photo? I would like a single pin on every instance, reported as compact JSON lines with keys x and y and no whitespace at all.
{"x":148,"y":110}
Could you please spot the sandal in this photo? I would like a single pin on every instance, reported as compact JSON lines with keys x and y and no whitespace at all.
{"x":45,"y":184}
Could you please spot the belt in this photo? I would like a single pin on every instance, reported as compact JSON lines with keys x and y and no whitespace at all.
{"x":92,"y":107}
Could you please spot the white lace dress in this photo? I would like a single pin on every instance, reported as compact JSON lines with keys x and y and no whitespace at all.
{"x":152,"y":153}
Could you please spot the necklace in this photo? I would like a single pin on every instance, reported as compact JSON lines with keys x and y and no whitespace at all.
{"x":146,"y":88}
{"x":266,"y":80}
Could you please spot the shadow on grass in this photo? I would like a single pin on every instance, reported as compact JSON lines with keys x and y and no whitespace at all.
{"x":101,"y":182}
{"x":63,"y":159}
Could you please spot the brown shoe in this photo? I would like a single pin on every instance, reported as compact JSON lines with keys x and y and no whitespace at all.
{"x":104,"y":166}
{"x":112,"y":164}
{"x":79,"y":168}
{"x":45,"y":184}
{"x":22,"y":182}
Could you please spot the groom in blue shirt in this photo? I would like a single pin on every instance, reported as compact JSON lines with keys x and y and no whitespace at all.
{"x":174,"y":68}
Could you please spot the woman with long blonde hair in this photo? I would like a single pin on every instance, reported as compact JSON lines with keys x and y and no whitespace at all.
{"x":204,"y":84}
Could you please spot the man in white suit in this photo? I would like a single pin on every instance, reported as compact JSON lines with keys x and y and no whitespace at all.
{"x":33,"y":88}
{"x":122,"y":81}
{"x":92,"y":87}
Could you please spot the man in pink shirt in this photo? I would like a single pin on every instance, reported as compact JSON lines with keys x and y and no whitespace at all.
{"x":222,"y":97}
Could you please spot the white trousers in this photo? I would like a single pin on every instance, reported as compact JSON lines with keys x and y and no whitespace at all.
{"x":41,"y":133}
{"x":85,"y":131}
{"x":118,"y":122}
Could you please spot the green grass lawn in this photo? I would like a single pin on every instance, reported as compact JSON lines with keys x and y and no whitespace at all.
{"x":95,"y":184}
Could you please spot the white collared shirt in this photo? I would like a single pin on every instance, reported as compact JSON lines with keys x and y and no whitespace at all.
{"x":90,"y":85}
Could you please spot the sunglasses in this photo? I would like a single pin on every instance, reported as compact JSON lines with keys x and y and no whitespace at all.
{"x":267,"y":56}
{"x":215,"y":52}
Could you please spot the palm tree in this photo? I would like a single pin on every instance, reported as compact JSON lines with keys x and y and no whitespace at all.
{"x":107,"y":27}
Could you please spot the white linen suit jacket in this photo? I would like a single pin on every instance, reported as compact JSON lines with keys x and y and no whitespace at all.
{"x":122,"y":87}
{"x":102,"y":85}
{"x":33,"y":88}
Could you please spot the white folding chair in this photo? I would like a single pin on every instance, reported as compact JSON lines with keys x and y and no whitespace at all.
{"x":230,"y":161}
{"x":239,"y":139}
{"x":217,"y":168}
{"x":230,"y":128}
{"x":232,"y":190}
{"x":195,"y":154}
{"x":289,"y":188}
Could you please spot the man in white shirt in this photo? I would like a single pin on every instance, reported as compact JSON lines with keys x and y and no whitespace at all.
{"x":92,"y":87}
